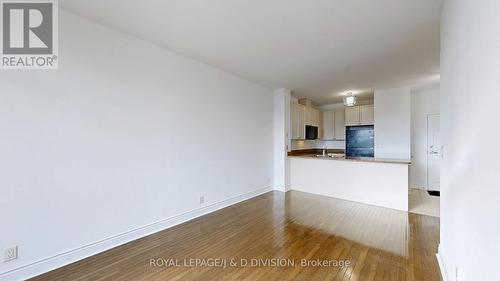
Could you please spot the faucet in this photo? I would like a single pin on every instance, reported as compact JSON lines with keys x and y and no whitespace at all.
{"x":324,"y":152}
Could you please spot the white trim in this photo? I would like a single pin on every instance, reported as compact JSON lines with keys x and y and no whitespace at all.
{"x":441,"y":265}
{"x":62,"y":259}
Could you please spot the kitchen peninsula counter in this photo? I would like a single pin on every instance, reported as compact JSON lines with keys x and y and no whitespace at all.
{"x":379,"y":182}
{"x":359,"y":159}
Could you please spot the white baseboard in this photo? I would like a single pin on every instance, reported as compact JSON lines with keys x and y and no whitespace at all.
{"x":441,"y":265}
{"x":62,"y":259}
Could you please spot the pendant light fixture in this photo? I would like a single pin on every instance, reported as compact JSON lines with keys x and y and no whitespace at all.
{"x":350,"y":99}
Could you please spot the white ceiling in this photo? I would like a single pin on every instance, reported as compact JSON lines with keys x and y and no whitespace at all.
{"x":318,"y":48}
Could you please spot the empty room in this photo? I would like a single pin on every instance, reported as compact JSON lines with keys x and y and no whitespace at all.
{"x":249,"y":140}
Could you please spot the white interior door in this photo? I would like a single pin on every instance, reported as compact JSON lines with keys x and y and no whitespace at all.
{"x":433,"y":152}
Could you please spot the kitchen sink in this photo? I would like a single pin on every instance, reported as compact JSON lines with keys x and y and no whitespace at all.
{"x":331,"y":155}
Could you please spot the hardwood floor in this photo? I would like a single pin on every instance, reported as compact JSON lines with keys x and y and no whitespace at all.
{"x":379,"y":244}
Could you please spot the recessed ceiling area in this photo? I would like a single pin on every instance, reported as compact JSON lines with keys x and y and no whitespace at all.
{"x":318,"y":49}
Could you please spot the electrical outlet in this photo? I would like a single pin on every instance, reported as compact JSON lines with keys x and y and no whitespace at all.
{"x":10,"y":254}
{"x":202,"y":199}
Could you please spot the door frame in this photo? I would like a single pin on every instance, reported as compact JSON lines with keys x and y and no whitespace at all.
{"x":427,"y":149}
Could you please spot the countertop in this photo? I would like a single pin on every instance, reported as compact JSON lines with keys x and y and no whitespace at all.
{"x":315,"y":151}
{"x":356,"y":159}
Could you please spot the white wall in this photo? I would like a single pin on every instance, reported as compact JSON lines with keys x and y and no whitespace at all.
{"x":392,"y":123}
{"x":123,"y":135}
{"x":470,"y":187}
{"x":281,"y":139}
{"x":424,"y":102}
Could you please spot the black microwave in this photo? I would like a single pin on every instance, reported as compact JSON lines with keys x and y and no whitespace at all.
{"x":311,"y":132}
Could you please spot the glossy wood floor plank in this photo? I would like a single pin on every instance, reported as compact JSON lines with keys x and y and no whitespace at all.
{"x":380,"y":244}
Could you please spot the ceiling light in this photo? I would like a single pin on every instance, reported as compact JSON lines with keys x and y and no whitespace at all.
{"x":350,"y":99}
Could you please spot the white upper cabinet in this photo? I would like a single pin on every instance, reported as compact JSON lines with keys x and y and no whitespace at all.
{"x":302,"y":121}
{"x":308,"y":115}
{"x":352,"y":116}
{"x":312,"y":116}
{"x":339,"y":133}
{"x":328,"y":127}
{"x":359,"y":115}
{"x":300,"y":116}
{"x":316,"y":117}
{"x":367,"y":116}
{"x":294,"y":124}
{"x":333,"y":125}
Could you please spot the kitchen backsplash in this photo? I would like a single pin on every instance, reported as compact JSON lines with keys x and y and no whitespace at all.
{"x":310,"y":144}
